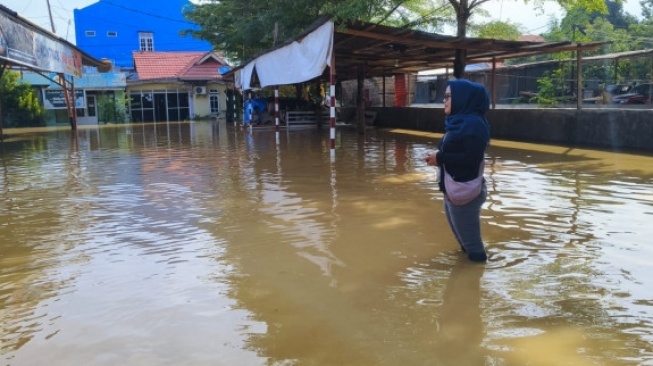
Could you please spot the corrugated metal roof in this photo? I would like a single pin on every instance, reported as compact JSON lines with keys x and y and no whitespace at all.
{"x":379,"y":50}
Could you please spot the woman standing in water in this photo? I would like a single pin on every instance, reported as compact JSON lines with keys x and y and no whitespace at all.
{"x":461,"y":159}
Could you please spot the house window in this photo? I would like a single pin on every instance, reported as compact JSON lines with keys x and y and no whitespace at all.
{"x":214,"y":104}
{"x":159,"y":105}
{"x":89,"y":33}
{"x":146,"y":40}
{"x":112,"y":34}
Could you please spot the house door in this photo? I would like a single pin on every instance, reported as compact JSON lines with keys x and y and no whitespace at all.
{"x":160,"y":107}
{"x":91,"y":106}
{"x":88,"y":115}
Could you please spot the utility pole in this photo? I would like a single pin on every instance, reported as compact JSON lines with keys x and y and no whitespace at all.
{"x":51,"y":20}
{"x":580,"y":28}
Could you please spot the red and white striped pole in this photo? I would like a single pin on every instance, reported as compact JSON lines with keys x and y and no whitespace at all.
{"x":332,"y":104}
{"x":276,"y":107}
{"x":276,"y":112}
{"x":235,"y":111}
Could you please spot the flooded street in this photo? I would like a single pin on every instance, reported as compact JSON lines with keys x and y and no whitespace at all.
{"x":200,"y":244}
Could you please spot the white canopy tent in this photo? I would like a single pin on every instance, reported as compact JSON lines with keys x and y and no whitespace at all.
{"x":297,"y":62}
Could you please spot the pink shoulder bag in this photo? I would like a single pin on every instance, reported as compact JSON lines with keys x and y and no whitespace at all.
{"x":462,"y":193}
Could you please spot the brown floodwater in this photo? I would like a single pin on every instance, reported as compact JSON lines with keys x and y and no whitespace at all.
{"x":200,"y":244}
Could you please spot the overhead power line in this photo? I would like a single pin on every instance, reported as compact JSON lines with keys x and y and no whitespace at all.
{"x":148,"y":14}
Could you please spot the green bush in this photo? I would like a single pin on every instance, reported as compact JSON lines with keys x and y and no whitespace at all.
{"x":550,"y":89}
{"x":113,"y":109}
{"x":20,"y":106}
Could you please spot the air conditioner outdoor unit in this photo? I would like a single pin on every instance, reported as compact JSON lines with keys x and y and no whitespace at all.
{"x":200,"y":90}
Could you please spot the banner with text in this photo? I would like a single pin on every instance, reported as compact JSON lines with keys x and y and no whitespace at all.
{"x":22,"y":45}
{"x":56,"y":99}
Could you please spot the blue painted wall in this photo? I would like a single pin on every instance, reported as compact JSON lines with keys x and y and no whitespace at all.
{"x":127,"y":18}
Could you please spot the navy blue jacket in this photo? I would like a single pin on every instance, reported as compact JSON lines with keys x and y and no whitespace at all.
{"x":467,"y":132}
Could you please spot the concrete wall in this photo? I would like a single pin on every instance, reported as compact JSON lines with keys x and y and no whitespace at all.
{"x":620,"y":129}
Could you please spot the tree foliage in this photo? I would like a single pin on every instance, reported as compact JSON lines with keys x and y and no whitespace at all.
{"x":498,"y":30}
{"x":113,"y":109}
{"x":20,"y":105}
{"x":465,"y":8}
{"x":551,"y":88}
{"x":243,"y":28}
{"x":620,"y":31}
{"x":647,"y":8}
{"x":641,"y":35}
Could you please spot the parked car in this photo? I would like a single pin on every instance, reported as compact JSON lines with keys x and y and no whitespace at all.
{"x":619,"y":89}
{"x":605,"y":93}
{"x":640,"y":94}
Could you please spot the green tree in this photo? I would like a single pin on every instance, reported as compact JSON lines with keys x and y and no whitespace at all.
{"x":113,"y":109}
{"x":584,"y":25}
{"x":243,"y":28}
{"x":605,"y":71}
{"x":641,"y":34}
{"x":550,"y":89}
{"x":615,"y":15}
{"x":465,"y":8}
{"x":20,"y":106}
{"x":620,"y":32}
{"x":498,"y":30}
{"x":647,"y":8}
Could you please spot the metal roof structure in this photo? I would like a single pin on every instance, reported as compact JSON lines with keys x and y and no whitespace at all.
{"x":621,"y":55}
{"x":379,"y":50}
{"x":485,"y":67}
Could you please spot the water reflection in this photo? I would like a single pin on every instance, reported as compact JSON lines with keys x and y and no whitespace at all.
{"x":198,"y":243}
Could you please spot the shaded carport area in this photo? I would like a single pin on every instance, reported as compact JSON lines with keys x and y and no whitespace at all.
{"x":359,"y":50}
{"x":26,"y":46}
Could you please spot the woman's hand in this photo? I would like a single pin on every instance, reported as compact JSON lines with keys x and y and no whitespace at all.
{"x":431,"y":158}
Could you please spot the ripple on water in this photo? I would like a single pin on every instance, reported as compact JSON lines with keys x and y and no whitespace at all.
{"x":227,"y":245}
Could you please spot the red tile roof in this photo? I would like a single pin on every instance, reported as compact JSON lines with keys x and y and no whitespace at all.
{"x":530,"y":38}
{"x":178,"y":65}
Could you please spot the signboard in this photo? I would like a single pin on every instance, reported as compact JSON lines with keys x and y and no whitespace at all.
{"x":56,"y":99}
{"x":22,"y":45}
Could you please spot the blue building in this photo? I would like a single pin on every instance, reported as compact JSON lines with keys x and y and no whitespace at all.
{"x":113,"y":29}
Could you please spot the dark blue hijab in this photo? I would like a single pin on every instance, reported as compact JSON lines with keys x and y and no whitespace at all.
{"x":469,"y":105}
